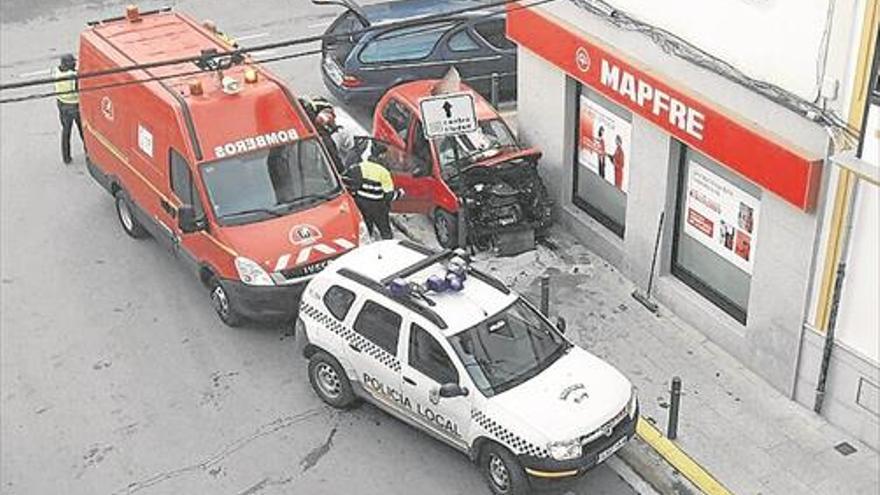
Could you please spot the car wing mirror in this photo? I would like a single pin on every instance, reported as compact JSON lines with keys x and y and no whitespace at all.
{"x":560,"y":324}
{"x":187,"y":220}
{"x":449,"y":390}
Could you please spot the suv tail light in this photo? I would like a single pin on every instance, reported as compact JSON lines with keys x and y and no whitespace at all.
{"x":351,"y":81}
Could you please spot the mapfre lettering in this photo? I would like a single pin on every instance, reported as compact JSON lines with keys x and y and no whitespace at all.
{"x":653,"y":100}
{"x":253,"y":143}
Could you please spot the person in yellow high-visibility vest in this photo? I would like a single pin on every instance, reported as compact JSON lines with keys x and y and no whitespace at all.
{"x":66,"y":92}
{"x":373,"y":190}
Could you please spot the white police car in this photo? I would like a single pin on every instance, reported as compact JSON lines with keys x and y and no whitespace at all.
{"x":455,"y":353}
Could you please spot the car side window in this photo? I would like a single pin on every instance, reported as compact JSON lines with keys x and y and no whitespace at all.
{"x":182,"y":183}
{"x":409,"y":43}
{"x":338,"y":301}
{"x":379,"y":325}
{"x":494,"y":34}
{"x":398,"y":116}
{"x":420,"y":147}
{"x":462,"y":41}
{"x":428,"y":357}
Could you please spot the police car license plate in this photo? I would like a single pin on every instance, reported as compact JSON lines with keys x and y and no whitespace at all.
{"x":605,"y":454}
{"x":333,"y":71}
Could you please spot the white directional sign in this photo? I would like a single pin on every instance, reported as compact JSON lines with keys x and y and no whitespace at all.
{"x":447,"y":115}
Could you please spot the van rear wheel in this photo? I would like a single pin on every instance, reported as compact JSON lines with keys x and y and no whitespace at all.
{"x":503,"y":472}
{"x":129,"y":222}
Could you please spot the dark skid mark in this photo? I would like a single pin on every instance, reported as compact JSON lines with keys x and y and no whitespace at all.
{"x":317,"y":453}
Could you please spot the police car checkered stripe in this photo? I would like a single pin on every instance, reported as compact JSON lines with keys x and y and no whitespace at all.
{"x":350,"y":336}
{"x":507,"y":437}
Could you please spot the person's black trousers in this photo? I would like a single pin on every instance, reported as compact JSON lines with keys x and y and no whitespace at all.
{"x":69,"y":114}
{"x":377,"y":215}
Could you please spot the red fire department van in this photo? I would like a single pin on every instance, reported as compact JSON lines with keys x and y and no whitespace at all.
{"x":215,"y":159}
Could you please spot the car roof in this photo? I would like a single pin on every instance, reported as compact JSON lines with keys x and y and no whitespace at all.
{"x":412,"y":92}
{"x":479,"y":298}
{"x":397,"y":10}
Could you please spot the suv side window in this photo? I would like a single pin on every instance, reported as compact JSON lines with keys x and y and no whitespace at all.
{"x":428,"y":357}
{"x":494,"y":34}
{"x":409,"y":43}
{"x":182,"y":183}
{"x":398,"y":116}
{"x":338,"y":301}
{"x":379,"y":325}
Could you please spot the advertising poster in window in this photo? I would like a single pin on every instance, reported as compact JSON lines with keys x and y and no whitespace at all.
{"x":604,"y":143}
{"x":721,"y":216}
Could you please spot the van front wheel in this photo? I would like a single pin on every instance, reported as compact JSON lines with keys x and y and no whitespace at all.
{"x":129,"y":222}
{"x":223,"y":305}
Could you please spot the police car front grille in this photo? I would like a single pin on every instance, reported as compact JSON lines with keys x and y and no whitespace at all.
{"x":607,"y":429}
{"x":305,"y":270}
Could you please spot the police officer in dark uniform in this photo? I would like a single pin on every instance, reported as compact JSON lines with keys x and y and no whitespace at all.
{"x":68,"y":102}
{"x":374,"y":191}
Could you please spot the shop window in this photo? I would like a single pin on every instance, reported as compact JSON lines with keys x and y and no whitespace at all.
{"x":716,"y":231}
{"x":601,"y":166}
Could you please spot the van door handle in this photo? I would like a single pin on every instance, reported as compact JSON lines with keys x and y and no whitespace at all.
{"x":409,"y":380}
{"x":168,"y":208}
{"x":354,"y":348}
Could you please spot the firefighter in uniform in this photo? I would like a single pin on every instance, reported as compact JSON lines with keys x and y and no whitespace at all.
{"x":68,"y":103}
{"x":374,"y":191}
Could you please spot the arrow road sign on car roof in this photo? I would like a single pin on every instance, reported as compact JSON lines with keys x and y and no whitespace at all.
{"x":448,"y":115}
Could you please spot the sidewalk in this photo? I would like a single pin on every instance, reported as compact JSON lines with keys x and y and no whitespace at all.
{"x":750,"y":437}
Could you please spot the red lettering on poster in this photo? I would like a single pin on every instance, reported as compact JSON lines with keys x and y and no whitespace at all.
{"x":702,"y":223}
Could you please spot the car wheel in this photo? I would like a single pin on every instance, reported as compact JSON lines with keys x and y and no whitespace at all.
{"x":223,"y":304}
{"x":129,"y":222}
{"x":446,"y":228}
{"x":503,"y":471}
{"x":329,"y":381}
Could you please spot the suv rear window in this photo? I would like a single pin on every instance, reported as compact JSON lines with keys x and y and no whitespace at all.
{"x":338,"y":301}
{"x":493,"y":32}
{"x":379,"y":325}
{"x":410,"y":43}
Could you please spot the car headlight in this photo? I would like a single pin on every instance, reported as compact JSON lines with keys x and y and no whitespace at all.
{"x":563,"y":451}
{"x":251,"y":273}
{"x":633,"y":403}
{"x":363,"y":234}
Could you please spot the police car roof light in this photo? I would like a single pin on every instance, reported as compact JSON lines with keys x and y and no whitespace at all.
{"x":419,"y":266}
{"x":427,"y":313}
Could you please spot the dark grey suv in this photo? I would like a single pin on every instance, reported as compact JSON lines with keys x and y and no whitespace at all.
{"x":359,"y":69}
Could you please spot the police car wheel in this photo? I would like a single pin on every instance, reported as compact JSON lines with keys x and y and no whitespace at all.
{"x":223,"y":305}
{"x":329,"y":381}
{"x":446,"y":228}
{"x":503,"y":471}
{"x":129,"y":222}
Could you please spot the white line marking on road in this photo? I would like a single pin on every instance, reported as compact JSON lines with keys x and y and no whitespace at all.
{"x":43,"y":72}
{"x":319,"y":25}
{"x":251,"y":36}
{"x":630,"y":476}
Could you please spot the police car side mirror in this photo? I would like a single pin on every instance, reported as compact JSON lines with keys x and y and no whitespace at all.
{"x":187,"y":221}
{"x":560,"y":324}
{"x":449,"y":390}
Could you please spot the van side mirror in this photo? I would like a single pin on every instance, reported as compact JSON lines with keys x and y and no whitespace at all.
{"x":449,"y":390}
{"x":560,"y":324}
{"x":187,"y":221}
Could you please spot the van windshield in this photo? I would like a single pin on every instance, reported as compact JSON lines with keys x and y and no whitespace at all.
{"x":508,"y":348}
{"x":269,"y":183}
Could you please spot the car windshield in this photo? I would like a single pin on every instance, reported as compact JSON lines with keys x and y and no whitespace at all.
{"x":490,"y":138}
{"x":269,"y":183}
{"x":508,"y":348}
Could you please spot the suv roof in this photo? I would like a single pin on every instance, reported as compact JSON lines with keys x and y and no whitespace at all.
{"x":374,"y":265}
{"x":397,"y":10}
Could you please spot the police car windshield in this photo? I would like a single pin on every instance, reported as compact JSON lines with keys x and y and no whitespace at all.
{"x":269,"y":183}
{"x":508,"y":348}
{"x":488,"y":140}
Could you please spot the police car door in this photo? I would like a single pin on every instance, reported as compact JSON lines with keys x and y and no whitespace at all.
{"x":426,"y":367}
{"x":373,"y":352}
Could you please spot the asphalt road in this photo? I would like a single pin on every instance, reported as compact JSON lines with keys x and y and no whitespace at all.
{"x":115,"y":375}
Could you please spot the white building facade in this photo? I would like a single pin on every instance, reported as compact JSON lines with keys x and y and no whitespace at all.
{"x":719,"y":117}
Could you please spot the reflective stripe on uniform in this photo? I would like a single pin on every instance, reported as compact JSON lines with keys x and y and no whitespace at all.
{"x":376,"y":181}
{"x":65,"y":90}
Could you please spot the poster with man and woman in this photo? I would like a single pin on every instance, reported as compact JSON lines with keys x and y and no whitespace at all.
{"x":604,"y":143}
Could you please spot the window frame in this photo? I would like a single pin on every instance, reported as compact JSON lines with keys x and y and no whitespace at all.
{"x":414,"y":329}
{"x":488,"y":42}
{"x":463,"y":31}
{"x":368,"y":303}
{"x":402,"y":134}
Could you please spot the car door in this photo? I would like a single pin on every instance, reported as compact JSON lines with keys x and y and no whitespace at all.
{"x":373,"y":352}
{"x":417,"y":179}
{"x":427,"y":366}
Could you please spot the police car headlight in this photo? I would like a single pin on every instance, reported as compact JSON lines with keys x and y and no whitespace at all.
{"x":633,"y":402}
{"x":363,"y":234}
{"x":251,"y":273}
{"x":563,"y":451}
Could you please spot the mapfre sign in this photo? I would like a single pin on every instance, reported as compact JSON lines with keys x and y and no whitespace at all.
{"x":757,"y":155}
